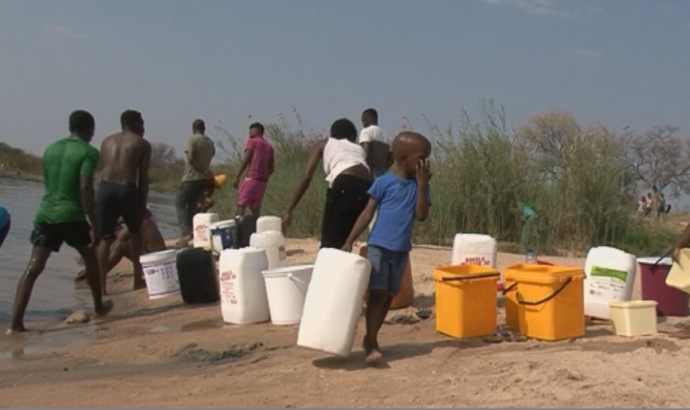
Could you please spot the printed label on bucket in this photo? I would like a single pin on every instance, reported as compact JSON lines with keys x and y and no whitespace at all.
{"x":607,"y":283}
{"x":227,"y":287}
{"x":477,"y":261}
{"x":161,"y":279}
{"x":201,"y":232}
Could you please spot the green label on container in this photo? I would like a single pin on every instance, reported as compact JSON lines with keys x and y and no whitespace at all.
{"x":609,"y":273}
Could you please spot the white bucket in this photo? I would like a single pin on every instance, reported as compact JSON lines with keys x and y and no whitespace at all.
{"x":160,"y":272}
{"x":287,"y":289}
{"x":268,"y":223}
{"x":273,"y":243}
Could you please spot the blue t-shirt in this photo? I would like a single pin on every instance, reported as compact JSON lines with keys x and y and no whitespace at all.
{"x":4,"y":216}
{"x":396,"y":199}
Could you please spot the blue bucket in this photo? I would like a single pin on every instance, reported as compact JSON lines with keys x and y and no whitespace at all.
{"x":223,"y":235}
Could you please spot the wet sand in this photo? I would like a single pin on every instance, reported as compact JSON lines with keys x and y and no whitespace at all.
{"x":164,"y":354}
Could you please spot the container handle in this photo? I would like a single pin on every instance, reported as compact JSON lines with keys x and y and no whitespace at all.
{"x":662,"y":258}
{"x":470,"y":277}
{"x":293,"y":277}
{"x":560,"y":288}
{"x":509,"y":288}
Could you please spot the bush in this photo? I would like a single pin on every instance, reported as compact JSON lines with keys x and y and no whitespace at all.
{"x":574,"y":177}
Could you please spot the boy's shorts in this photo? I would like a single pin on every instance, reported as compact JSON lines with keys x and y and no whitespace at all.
{"x":387,"y":268}
{"x":251,"y":193}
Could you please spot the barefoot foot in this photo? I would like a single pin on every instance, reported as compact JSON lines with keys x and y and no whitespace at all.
{"x":15,"y":329}
{"x":105,"y":308}
{"x":374,"y":356}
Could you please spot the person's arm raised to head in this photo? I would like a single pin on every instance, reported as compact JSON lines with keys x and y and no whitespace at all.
{"x":315,"y":154}
{"x":87,"y":192}
{"x":421,"y":210}
{"x":144,"y":167}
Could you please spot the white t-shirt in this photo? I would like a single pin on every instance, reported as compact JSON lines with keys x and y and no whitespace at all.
{"x":339,"y":155}
{"x":378,"y":150}
{"x":372,"y":133}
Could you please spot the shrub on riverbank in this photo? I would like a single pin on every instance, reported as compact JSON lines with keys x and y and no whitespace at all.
{"x":573,"y":176}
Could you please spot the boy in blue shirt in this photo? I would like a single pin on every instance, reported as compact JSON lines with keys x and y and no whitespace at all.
{"x":400,"y":197}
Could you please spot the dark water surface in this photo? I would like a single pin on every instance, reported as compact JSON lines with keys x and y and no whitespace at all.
{"x":54,"y":295}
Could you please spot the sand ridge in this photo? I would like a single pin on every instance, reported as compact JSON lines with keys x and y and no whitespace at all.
{"x":164,"y":354}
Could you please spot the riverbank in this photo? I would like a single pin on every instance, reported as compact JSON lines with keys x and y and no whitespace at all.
{"x":164,"y":354}
{"x":21,"y":176}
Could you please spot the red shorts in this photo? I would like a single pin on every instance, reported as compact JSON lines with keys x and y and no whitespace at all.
{"x":251,"y":193}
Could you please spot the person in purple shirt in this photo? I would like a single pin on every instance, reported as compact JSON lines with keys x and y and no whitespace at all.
{"x":259,"y":163}
{"x":400,"y":197}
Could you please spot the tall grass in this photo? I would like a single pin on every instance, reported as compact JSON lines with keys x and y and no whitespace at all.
{"x":573,"y":176}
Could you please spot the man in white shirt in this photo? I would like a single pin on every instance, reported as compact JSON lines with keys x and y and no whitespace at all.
{"x":373,"y":140}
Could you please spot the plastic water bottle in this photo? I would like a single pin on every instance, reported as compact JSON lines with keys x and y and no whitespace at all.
{"x":530,"y":258}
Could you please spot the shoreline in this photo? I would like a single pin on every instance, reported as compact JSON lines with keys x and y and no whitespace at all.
{"x":162,"y":353}
{"x":21,"y":177}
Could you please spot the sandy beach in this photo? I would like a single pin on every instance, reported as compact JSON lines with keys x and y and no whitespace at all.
{"x":165,"y":354}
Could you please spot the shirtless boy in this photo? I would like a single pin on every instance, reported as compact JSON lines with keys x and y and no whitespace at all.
{"x":69,"y":166}
{"x":258,"y":161}
{"x":400,"y":197}
{"x":124,"y":190}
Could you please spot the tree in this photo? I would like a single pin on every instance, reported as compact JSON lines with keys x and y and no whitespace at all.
{"x":163,"y":156}
{"x":660,"y":159}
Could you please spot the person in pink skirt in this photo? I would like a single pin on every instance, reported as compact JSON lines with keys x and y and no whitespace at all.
{"x":259,"y":163}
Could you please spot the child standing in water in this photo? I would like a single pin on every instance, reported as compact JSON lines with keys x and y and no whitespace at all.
{"x":399,"y":197}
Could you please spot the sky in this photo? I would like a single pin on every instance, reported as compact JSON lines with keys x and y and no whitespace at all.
{"x":616,"y":62}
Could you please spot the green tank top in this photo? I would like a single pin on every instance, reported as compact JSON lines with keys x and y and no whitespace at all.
{"x":64,"y":162}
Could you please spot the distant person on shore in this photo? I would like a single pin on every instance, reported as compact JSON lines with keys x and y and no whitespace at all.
{"x":5,"y":223}
{"x":373,"y":139}
{"x":124,"y":191}
{"x":259,"y":162}
{"x":349,"y":180}
{"x":642,"y":205}
{"x":69,"y":166}
{"x":400,"y":197}
{"x":649,"y":204}
{"x":122,"y":247}
{"x":661,"y":208}
{"x":196,"y":180}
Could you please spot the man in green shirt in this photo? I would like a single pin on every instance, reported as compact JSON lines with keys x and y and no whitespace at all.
{"x":197,"y":178}
{"x":69,"y":166}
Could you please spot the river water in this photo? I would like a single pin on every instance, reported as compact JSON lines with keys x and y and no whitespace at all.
{"x":54,"y":295}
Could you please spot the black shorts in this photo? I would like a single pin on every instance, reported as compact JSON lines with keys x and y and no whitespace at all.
{"x":345,"y":201}
{"x":74,"y":234}
{"x":114,"y":201}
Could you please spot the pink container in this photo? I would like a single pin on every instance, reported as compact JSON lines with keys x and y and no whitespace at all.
{"x":670,"y":301}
